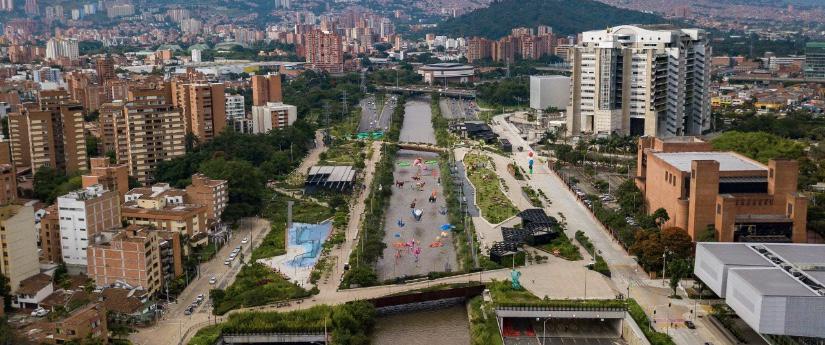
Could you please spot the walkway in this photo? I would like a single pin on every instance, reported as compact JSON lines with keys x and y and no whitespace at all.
{"x":626,"y":273}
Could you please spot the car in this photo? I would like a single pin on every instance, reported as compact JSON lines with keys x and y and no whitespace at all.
{"x":245,"y":240}
{"x":227,"y":262}
{"x":213,"y":280}
{"x":188,"y":310}
{"x":199,"y":298}
{"x":238,"y":248}
{"x":690,"y":324}
{"x":39,"y":312}
{"x":232,"y":256}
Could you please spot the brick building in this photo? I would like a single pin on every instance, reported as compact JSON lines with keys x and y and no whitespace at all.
{"x":214,"y":194}
{"x":50,"y":236}
{"x":164,"y":208}
{"x":126,"y":256}
{"x":266,"y":88}
{"x":702,"y":189}
{"x":111,"y":176}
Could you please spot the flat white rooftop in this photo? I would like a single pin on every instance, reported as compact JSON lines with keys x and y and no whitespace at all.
{"x":727,"y":161}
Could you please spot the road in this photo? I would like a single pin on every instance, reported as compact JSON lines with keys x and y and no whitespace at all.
{"x":626,"y":273}
{"x":173,"y":322}
{"x":376,"y":116}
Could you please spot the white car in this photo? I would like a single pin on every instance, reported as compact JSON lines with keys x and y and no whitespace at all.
{"x":39,"y":312}
{"x":213,"y":280}
{"x":245,"y":240}
{"x":227,"y":262}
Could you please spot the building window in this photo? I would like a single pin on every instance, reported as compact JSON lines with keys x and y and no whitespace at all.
{"x":718,"y":208}
{"x":770,"y":172}
{"x":790,"y":209}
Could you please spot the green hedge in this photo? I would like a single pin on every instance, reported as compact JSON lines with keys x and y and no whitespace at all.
{"x":255,"y":285}
{"x":600,"y":265}
{"x":349,"y":323}
{"x":639,"y":316}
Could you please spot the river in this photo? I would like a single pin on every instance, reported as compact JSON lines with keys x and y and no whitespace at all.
{"x":448,"y":326}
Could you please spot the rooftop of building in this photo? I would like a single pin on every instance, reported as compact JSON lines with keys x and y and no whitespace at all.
{"x":775,"y":269}
{"x":156,"y":191}
{"x":32,"y":285}
{"x":124,"y":301}
{"x":446,"y":66}
{"x":87,"y":193}
{"x":131,"y":233}
{"x":208,"y":181}
{"x":728,"y":161}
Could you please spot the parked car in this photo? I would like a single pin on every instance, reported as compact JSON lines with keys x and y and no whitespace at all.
{"x":200,"y":298}
{"x":40,"y":312}
{"x":245,"y":240}
{"x":690,"y":324}
{"x":213,"y":280}
{"x":227,"y":262}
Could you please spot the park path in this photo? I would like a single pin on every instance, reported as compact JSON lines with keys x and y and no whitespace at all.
{"x":340,"y":254}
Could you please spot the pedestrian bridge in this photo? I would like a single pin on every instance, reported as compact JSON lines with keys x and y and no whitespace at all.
{"x":421,"y":147}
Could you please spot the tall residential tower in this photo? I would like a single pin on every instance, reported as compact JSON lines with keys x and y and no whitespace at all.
{"x":640,"y":81}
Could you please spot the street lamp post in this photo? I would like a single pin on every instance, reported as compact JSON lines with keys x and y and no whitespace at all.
{"x":544,"y":328}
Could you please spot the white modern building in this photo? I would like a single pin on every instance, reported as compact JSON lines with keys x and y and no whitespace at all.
{"x":234,"y":107}
{"x":777,"y":289}
{"x":84,"y":213}
{"x":447,"y":72}
{"x":549,"y":91}
{"x":196,"y":55}
{"x":273,"y":115}
{"x":62,"y":48}
{"x":640,"y":81}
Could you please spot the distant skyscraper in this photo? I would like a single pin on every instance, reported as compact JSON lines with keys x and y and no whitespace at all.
{"x":324,"y":51}
{"x":7,"y":5}
{"x":632,"y":80}
{"x":105,"y":67}
{"x":815,"y":61}
{"x":196,"y":55}
{"x":57,"y":48}
{"x":31,"y":7}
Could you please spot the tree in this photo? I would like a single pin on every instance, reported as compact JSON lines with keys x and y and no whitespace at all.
{"x":245,"y":182}
{"x":678,"y":269}
{"x":660,"y":216}
{"x":760,"y":146}
{"x":651,"y":244}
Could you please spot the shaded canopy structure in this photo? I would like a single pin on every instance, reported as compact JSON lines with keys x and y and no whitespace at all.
{"x":330,"y":177}
{"x":537,"y":228}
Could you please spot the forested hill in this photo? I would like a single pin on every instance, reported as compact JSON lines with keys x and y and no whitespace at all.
{"x":565,"y":16}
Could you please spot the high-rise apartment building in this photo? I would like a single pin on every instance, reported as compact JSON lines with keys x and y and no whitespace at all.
{"x":19,"y":244}
{"x":324,"y":51}
{"x":154,"y":132}
{"x":83,"y":214}
{"x":105,"y":68}
{"x":7,"y":5}
{"x":815,"y":61}
{"x":273,"y":116}
{"x":235,"y":107}
{"x":640,"y":81}
{"x":31,"y":8}
{"x":52,"y":137}
{"x":112,"y":123}
{"x":266,"y":88}
{"x":128,"y":256}
{"x":57,"y":48}
{"x":50,"y":236}
{"x":202,"y":106}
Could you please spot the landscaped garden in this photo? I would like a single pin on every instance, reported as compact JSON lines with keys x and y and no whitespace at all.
{"x":495,"y":206}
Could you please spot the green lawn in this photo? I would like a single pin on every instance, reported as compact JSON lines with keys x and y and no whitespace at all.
{"x":494,"y":205}
{"x":255,"y":284}
{"x":562,"y":244}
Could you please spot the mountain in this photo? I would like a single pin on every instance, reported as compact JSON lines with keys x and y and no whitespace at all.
{"x":565,"y":16}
